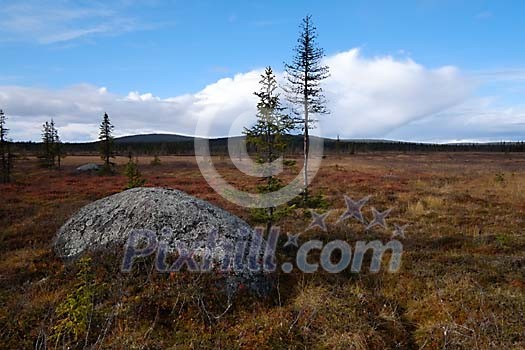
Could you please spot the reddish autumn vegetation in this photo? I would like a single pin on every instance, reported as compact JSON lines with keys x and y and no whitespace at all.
{"x":461,"y":284}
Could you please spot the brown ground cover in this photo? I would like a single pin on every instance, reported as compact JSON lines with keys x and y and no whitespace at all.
{"x":461,"y":284}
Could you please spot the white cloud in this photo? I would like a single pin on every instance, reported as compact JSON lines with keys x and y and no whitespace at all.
{"x":78,"y":109}
{"x":48,"y":22}
{"x":368,"y":98}
{"x":371,"y":97}
{"x":137,"y":97}
{"x":478,"y":119}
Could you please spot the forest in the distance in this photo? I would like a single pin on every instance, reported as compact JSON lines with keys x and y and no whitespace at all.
{"x":172,"y":144}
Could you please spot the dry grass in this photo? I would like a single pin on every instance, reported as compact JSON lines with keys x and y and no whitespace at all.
{"x":416,"y":210}
{"x":461,"y":284}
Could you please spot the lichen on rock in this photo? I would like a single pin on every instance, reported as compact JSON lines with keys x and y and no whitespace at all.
{"x":174,"y":216}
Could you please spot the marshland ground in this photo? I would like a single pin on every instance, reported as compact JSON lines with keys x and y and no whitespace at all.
{"x":461,"y":284}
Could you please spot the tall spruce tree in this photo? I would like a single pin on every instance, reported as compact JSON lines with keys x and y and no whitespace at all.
{"x":4,"y":148}
{"x":267,"y":136}
{"x":106,"y":142}
{"x":303,"y":89}
{"x":48,"y":145}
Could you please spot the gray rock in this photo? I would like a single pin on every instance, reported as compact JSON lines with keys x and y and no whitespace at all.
{"x":88,"y":167}
{"x":176,"y":218}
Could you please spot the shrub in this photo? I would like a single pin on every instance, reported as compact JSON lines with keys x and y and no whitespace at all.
{"x":317,"y":201}
{"x":289,"y":162}
{"x":156,"y":161}
{"x":500,"y":178}
{"x":133,"y":174}
{"x":74,"y":312}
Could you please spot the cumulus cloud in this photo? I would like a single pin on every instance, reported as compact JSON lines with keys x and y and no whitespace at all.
{"x":368,"y":98}
{"x":77,"y":109}
{"x":371,"y":97}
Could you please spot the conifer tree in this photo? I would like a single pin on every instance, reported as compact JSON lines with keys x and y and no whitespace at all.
{"x":106,"y":142}
{"x":267,"y":136}
{"x":48,"y":145}
{"x":5,"y":149}
{"x":133,"y":174}
{"x":304,"y":75}
{"x":51,"y":145}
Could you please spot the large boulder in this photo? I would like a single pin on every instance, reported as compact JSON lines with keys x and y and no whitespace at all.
{"x":176,"y":218}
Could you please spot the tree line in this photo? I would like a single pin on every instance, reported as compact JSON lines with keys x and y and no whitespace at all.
{"x":294,"y":147}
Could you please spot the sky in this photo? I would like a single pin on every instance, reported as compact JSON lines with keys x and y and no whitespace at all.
{"x":422,"y":70}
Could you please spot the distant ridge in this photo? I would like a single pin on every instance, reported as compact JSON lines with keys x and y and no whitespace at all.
{"x":154,"y":138}
{"x":159,"y":138}
{"x":167,"y":138}
{"x":164,"y":144}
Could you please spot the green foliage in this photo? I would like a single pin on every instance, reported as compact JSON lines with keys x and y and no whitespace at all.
{"x":272,"y":214}
{"x":303,"y":89}
{"x":289,"y":162}
{"x":73,"y":314}
{"x":267,"y":135}
{"x":52,"y":150}
{"x":500,"y":178}
{"x":272,"y":124}
{"x":133,"y":174}
{"x":106,"y":141}
{"x":305,"y":73}
{"x":317,"y":201}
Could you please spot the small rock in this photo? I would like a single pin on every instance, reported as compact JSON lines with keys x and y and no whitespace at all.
{"x":88,"y":167}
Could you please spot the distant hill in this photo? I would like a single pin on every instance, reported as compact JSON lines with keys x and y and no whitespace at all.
{"x":153,"y":138}
{"x":164,"y":144}
{"x":160,"y":138}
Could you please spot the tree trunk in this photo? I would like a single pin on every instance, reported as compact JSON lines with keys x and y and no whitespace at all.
{"x":4,"y":164}
{"x":269,"y":222}
{"x":306,"y":147}
{"x":269,"y":142}
{"x":107,"y":153}
{"x":9,"y":164}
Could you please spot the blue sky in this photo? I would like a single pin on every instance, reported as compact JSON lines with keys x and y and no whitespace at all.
{"x":169,"y":56}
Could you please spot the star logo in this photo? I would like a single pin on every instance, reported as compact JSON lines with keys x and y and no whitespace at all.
{"x":292,"y":240}
{"x":399,"y":231}
{"x":353,"y":209}
{"x":318,"y":221}
{"x":379,"y":218}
